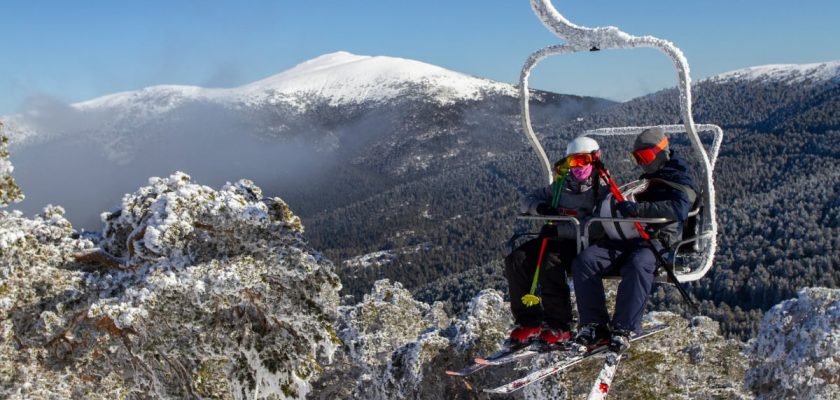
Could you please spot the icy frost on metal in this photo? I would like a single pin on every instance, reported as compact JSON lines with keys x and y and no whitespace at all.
{"x":579,"y":39}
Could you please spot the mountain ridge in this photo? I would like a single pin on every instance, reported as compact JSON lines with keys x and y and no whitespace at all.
{"x":341,"y":77}
{"x":828,"y":71}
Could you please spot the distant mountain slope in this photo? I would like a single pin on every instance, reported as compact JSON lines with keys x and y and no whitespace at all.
{"x":768,"y":98}
{"x":341,"y":124}
{"x":789,"y":74}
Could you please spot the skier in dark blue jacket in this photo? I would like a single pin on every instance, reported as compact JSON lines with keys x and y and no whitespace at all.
{"x":670,"y":194}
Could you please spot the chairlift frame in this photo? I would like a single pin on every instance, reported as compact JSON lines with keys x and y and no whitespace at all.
{"x":583,"y":39}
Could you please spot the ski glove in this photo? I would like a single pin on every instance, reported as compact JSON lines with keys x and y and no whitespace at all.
{"x":548,"y":231}
{"x":546,"y":209}
{"x":628,"y":208}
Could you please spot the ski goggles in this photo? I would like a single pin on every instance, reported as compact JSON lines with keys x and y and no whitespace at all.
{"x":646,"y":156}
{"x":581,"y":159}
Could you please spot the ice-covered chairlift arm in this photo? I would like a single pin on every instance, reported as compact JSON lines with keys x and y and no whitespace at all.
{"x":579,"y":39}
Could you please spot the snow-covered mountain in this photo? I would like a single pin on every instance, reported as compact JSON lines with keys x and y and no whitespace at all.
{"x":791,"y":74}
{"x":367,"y":119}
{"x":339,"y":78}
{"x":335,"y":79}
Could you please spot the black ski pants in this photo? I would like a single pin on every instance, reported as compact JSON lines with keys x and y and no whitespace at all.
{"x":634,"y":261}
{"x":555,"y":308}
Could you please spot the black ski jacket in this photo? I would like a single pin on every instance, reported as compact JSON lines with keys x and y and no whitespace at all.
{"x":662,"y":200}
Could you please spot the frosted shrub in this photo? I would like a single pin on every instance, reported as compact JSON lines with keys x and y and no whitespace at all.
{"x":9,"y":190}
{"x":189,"y":292}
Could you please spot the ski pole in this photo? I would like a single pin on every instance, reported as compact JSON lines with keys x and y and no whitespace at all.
{"x":530,"y":299}
{"x":604,"y":173}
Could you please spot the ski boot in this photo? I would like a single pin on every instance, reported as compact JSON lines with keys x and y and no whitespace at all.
{"x":551,"y":336}
{"x":521,"y":335}
{"x":592,"y":335}
{"x":620,"y":341}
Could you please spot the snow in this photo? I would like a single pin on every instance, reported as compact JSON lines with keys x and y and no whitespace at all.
{"x":790,"y":74}
{"x":797,"y":350}
{"x":158,"y":98}
{"x":348,"y":78}
{"x":383,"y":257}
{"x":9,"y":237}
{"x":228,"y":258}
{"x":340,"y":77}
{"x":377,"y":258}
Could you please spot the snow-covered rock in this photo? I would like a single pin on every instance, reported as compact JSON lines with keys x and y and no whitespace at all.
{"x":189,"y":292}
{"x":399,"y":348}
{"x":389,"y":341}
{"x":691,"y":360}
{"x":797,"y":351}
{"x":9,"y":191}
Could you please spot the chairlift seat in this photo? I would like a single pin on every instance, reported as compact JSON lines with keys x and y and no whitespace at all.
{"x":680,"y":255}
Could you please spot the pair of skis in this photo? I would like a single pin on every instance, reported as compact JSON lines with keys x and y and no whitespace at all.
{"x":576,"y":355}
{"x":510,"y":354}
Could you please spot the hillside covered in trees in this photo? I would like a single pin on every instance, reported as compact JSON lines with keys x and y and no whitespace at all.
{"x":777,"y":190}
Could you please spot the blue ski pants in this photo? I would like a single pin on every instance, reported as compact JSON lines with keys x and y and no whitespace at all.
{"x":634,"y":261}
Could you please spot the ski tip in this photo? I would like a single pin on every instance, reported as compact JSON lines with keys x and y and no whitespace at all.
{"x":495,"y":391}
{"x":509,"y":388}
{"x":479,"y":360}
{"x":453,"y":373}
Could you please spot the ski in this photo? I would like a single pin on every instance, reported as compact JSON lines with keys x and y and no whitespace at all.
{"x":539,"y":374}
{"x":501,"y":354}
{"x":506,"y":356}
{"x":605,"y":377}
{"x":565,"y":363}
{"x":468,"y":370}
{"x":522,"y":355}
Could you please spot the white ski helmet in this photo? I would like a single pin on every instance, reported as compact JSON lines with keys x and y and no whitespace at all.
{"x":582,"y":144}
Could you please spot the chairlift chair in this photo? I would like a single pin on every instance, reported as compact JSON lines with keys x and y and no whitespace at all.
{"x":693,"y":256}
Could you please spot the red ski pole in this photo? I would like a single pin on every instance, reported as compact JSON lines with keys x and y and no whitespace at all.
{"x":602,"y":171}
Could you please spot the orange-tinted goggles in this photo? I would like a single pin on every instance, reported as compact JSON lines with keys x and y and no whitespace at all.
{"x":581,"y":159}
{"x":646,"y":156}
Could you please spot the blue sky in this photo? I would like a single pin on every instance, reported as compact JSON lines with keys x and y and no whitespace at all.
{"x":78,"y":50}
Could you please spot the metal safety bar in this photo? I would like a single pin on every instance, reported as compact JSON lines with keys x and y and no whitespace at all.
{"x":583,"y":239}
{"x":601,"y":220}
{"x":557,"y":218}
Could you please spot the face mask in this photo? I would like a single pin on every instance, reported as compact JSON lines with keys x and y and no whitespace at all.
{"x":581,"y":173}
{"x":657,"y":163}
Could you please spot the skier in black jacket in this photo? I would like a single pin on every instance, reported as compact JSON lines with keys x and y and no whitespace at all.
{"x":670,"y":194}
{"x":576,"y":195}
